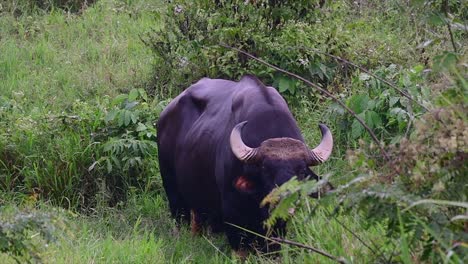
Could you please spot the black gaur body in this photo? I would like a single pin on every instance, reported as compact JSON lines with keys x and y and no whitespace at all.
{"x":223,"y":146}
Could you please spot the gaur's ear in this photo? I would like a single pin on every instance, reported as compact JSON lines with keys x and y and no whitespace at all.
{"x":244,"y":184}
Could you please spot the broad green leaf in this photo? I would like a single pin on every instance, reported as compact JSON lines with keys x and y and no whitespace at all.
{"x":371,"y":104}
{"x":405,"y":102}
{"x":143,"y":94}
{"x":141,"y":127}
{"x":134,"y":116}
{"x":398,"y":112}
{"x":130,"y":105}
{"x":323,"y":69}
{"x":373,"y":119}
{"x":284,"y":85}
{"x":127,"y":117}
{"x":119,"y":99}
{"x":122,"y":117}
{"x":356,"y":129}
{"x":393,"y":100}
{"x":358,"y":103}
{"x":110,"y":116}
{"x":133,"y":95}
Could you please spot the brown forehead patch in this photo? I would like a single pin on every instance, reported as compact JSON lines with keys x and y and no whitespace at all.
{"x":284,"y":149}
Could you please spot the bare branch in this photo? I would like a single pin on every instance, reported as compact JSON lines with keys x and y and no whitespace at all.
{"x":321,"y":252}
{"x":405,"y":94}
{"x":328,"y":94}
{"x":292,"y":243}
{"x":449,"y":27}
{"x":375,"y":250}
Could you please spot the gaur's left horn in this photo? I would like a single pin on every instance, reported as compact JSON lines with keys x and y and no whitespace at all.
{"x":323,"y":151}
{"x":240,"y":150}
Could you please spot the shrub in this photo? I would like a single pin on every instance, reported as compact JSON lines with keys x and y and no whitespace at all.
{"x":188,"y":47}
{"x":88,"y":153}
{"x":420,"y":192}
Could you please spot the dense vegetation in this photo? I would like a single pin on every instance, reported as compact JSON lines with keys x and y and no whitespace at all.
{"x":83,"y":82}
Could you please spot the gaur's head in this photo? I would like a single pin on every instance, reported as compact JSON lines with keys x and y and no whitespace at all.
{"x":275,"y":162}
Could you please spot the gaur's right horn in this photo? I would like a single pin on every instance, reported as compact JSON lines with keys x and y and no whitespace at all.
{"x":240,"y":150}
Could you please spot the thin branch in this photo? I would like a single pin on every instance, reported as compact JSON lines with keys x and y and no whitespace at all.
{"x":405,"y":94}
{"x":292,"y":243}
{"x":452,"y":39}
{"x":215,"y":247}
{"x":328,"y":94}
{"x":321,"y":252}
{"x":374,"y":251}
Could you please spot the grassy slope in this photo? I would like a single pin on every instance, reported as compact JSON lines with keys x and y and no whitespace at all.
{"x":143,"y":232}
{"x":58,"y":58}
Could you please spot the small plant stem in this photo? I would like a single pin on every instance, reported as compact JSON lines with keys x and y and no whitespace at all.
{"x":327,"y":93}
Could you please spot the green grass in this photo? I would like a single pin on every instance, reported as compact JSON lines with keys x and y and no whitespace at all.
{"x":54,"y":59}
{"x":142,"y":231}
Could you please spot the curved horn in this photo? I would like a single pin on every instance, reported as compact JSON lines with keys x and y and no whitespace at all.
{"x":240,"y":150}
{"x":323,"y":151}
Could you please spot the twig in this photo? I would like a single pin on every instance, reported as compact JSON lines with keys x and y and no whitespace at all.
{"x":321,"y":252}
{"x":371,"y":74}
{"x":373,"y":136}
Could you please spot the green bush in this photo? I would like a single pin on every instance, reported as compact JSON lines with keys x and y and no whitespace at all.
{"x":281,"y":32}
{"x":386,"y":111}
{"x":87,"y":153}
{"x":15,"y":234}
